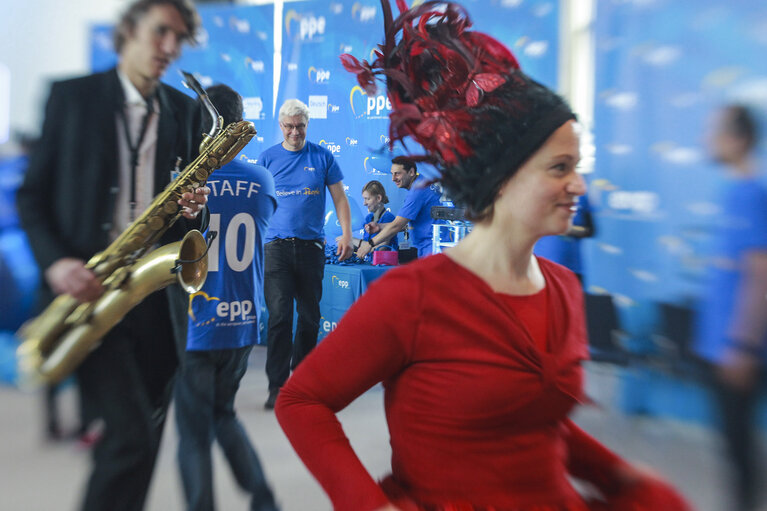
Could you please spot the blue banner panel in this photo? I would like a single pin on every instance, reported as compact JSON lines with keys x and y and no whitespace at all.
{"x":355,"y":126}
{"x":662,"y":68}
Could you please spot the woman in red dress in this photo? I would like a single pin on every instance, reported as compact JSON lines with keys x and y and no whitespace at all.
{"x":480,"y":356}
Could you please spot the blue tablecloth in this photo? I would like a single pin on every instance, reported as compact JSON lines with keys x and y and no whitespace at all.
{"x":341,"y":287}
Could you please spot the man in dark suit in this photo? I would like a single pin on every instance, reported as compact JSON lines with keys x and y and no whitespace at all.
{"x":109,"y":143}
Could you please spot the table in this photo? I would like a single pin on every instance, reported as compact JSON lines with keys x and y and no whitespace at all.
{"x":341,"y":287}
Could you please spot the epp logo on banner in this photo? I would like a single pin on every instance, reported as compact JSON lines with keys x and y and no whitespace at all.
{"x":351,"y":141}
{"x":370,"y":169}
{"x":364,"y":13}
{"x":328,"y":326}
{"x":308,"y":26}
{"x":343,"y":284}
{"x":335,"y":149}
{"x":334,"y":109}
{"x":372,"y":107}
{"x":318,"y":75}
{"x":318,"y":107}
{"x":254,"y":161}
{"x":253,"y":108}
{"x":257,"y":66}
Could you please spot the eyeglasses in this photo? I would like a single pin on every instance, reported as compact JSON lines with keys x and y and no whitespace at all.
{"x":291,"y":127}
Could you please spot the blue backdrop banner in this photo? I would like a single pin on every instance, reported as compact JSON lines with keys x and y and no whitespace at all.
{"x":663,"y":67}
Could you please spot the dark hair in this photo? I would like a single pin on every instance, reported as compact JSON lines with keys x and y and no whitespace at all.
{"x":376,"y":188}
{"x":227,"y":101}
{"x":139,"y":8}
{"x":742,"y":123}
{"x":407,"y":163}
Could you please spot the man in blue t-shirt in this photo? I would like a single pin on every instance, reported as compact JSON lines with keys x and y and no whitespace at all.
{"x":416,"y":209}
{"x":732,"y":319}
{"x":295,"y":243}
{"x":223,"y":327}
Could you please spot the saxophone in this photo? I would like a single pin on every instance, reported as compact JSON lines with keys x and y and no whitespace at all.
{"x":58,"y":340}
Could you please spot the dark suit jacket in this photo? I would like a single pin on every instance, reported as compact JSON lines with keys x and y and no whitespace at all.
{"x":67,"y":200}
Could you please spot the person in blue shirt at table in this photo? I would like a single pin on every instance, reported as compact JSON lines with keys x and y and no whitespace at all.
{"x":565,"y":249}
{"x":416,"y":210}
{"x":223,"y":327}
{"x":295,"y":243}
{"x":732,"y":318}
{"x":374,"y":198}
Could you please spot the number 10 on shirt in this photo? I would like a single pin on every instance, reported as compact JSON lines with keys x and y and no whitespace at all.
{"x":239,"y":237}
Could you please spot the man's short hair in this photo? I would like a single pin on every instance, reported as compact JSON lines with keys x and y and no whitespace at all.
{"x":292,"y":108}
{"x":227,"y":101}
{"x":139,"y":8}
{"x":406,"y":163}
{"x":741,"y":122}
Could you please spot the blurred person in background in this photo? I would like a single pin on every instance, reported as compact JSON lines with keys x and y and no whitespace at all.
{"x":109,"y":144}
{"x":481,"y":364}
{"x":374,"y":198}
{"x":732,"y":318}
{"x":219,"y":340}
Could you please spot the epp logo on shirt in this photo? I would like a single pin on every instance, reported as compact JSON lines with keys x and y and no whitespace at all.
{"x":310,"y":169}
{"x":236,"y":310}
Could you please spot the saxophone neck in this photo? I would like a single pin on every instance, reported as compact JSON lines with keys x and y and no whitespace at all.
{"x":217,"y":123}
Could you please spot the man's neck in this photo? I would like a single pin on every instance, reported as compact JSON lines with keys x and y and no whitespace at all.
{"x":145,"y":86}
{"x":291,"y":148}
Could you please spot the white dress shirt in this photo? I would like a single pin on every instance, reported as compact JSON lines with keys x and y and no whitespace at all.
{"x":135,"y":109}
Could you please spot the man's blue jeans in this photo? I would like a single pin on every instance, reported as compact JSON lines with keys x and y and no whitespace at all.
{"x":293,"y":270}
{"x":205,"y":392}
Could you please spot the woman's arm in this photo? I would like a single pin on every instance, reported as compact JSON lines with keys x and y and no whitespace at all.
{"x":353,"y":358}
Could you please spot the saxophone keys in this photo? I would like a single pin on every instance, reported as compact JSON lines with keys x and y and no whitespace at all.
{"x":156,"y":223}
{"x":170,"y":207}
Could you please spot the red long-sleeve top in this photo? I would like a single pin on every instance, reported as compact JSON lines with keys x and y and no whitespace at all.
{"x":477,"y":413}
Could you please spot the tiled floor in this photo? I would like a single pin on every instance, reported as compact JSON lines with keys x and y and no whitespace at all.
{"x":39,"y":476}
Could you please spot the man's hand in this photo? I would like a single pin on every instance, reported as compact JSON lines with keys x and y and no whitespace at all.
{"x":372,"y":228}
{"x":345,"y":249}
{"x":69,"y":275}
{"x":193,"y":203}
{"x":364,"y":249}
{"x":739,"y":370}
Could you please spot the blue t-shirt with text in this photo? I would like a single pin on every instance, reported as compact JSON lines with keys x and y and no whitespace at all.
{"x":417,"y":209}
{"x":300,"y":179}
{"x":224,"y":314}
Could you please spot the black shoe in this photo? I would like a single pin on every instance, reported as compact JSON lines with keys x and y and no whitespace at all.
{"x":269,"y":405}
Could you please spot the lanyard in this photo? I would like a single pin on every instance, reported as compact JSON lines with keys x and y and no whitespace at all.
{"x":135,"y":148}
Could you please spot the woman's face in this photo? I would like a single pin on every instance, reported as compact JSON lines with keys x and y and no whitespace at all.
{"x":542,"y":197}
{"x":370,"y":201}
